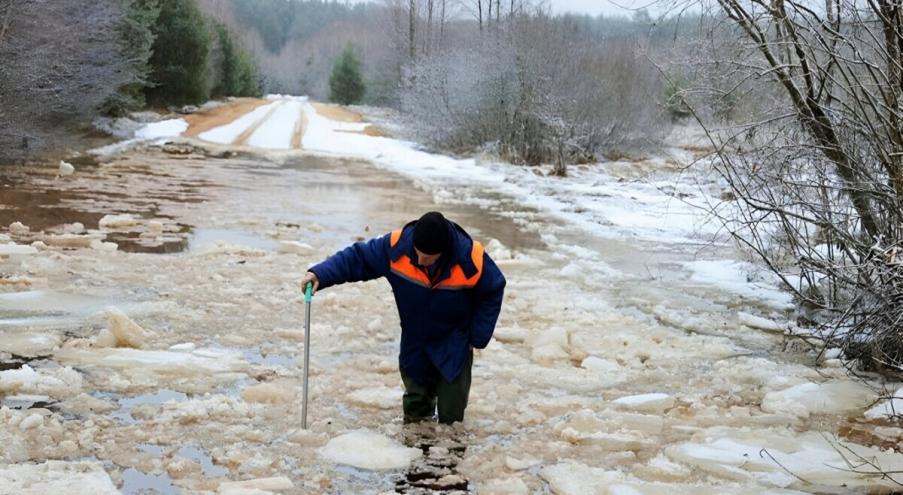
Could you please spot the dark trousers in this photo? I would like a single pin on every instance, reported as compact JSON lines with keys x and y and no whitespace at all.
{"x":420,"y":401}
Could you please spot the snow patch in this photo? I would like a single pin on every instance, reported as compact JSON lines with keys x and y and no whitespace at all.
{"x":162,"y":129}
{"x":888,"y":408}
{"x":733,"y":276}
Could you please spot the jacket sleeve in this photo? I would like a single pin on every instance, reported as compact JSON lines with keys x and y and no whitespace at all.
{"x":358,"y":262}
{"x":488,"y":295}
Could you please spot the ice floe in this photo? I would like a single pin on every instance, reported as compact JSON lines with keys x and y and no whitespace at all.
{"x":366,"y":449}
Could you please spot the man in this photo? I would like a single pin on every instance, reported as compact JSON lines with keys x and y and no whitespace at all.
{"x":449,"y":294}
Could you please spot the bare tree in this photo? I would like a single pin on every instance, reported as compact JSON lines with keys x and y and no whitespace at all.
{"x":53,"y":77}
{"x":818,"y":173}
{"x":511,"y":91}
{"x":412,"y":23}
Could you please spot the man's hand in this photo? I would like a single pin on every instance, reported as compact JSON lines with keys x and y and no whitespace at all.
{"x":310,"y":277}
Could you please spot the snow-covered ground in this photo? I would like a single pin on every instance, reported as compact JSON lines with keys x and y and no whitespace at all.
{"x":632,"y":355}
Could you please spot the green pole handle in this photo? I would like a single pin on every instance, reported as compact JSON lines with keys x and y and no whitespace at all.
{"x":308,"y":291}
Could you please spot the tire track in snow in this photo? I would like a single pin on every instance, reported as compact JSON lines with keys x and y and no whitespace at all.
{"x":300,"y":126}
{"x":228,"y":133}
{"x":244,"y":136}
{"x":277,"y":131}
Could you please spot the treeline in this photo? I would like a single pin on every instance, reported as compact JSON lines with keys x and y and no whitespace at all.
{"x":297,"y":43}
{"x":535,"y":88}
{"x":64,"y":62}
{"x":179,"y":56}
{"x":278,"y":21}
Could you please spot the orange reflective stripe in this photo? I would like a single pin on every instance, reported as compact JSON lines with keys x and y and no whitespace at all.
{"x":404,"y":268}
{"x":457,"y":279}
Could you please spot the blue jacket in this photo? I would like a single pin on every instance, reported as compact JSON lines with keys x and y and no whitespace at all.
{"x":440,"y":318}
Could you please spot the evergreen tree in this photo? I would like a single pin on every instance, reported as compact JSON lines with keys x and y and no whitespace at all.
{"x":136,"y":39}
{"x":346,"y":85}
{"x":236,"y":74}
{"x":180,"y":54}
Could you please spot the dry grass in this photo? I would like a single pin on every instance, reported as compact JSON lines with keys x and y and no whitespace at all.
{"x":336,"y":112}
{"x":342,"y":114}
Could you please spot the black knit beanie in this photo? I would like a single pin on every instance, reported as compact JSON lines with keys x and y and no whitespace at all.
{"x":431,"y":233}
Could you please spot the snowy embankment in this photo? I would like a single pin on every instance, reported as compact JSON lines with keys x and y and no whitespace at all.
{"x":591,"y":198}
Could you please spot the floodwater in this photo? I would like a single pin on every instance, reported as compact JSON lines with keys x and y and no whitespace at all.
{"x":613,"y":369}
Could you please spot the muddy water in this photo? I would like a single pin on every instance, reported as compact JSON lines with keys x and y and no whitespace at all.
{"x":213,"y":392}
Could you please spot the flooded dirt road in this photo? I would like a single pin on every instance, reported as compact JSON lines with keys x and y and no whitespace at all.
{"x":156,"y":347}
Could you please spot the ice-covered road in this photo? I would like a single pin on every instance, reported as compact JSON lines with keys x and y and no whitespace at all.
{"x":631,"y":356}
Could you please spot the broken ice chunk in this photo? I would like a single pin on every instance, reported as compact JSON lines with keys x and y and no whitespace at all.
{"x":18,"y":228}
{"x":66,"y":168}
{"x":113,"y":222}
{"x":126,"y":332}
{"x":279,"y":392}
{"x":516,"y":464}
{"x":823,"y":398}
{"x":594,"y":363}
{"x":759,"y":322}
{"x":56,"y":382}
{"x":31,"y":421}
{"x":57,"y":477}
{"x":512,"y":335}
{"x":652,"y":403}
{"x":377,"y":397}
{"x":573,"y":478}
{"x":295,"y":247}
{"x":506,"y":486}
{"x":12,"y":249}
{"x":366,"y":449}
{"x":187,"y":346}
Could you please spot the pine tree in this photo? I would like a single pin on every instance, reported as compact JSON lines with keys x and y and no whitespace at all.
{"x":180,"y":54}
{"x":236,"y":74}
{"x":346,"y":85}
{"x":136,"y":39}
